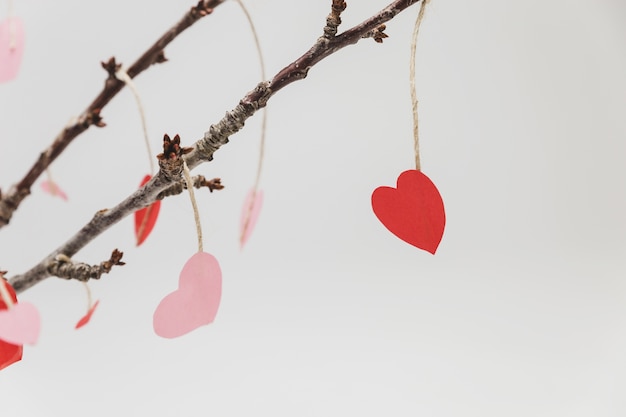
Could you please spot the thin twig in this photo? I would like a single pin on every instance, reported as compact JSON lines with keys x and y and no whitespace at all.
{"x":214,"y":138}
{"x":64,"y":267}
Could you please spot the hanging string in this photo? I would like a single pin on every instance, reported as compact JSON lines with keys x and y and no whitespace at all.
{"x":89,"y":299}
{"x":263,"y":76}
{"x":12,"y":28}
{"x":259,"y":170}
{"x":196,"y":214}
{"x":122,"y":75}
{"x":416,"y":29}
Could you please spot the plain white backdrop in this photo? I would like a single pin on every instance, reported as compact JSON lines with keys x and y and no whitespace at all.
{"x":522,"y":311}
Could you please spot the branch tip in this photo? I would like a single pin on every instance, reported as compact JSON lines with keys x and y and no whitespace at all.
{"x":111,"y":67}
{"x":63,"y":267}
{"x":378,"y":34}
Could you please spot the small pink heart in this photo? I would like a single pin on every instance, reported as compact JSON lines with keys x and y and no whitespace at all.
{"x":53,"y":189}
{"x":250,"y":215}
{"x":20,"y":324}
{"x":11,"y":47}
{"x":196,"y":301}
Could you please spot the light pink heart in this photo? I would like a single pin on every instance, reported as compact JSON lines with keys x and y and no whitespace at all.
{"x":196,"y":301}
{"x":250,"y":215}
{"x":20,"y":324}
{"x":52,"y":188}
{"x":11,"y":47}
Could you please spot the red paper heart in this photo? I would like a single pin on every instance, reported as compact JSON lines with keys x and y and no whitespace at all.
{"x":146,"y":218}
{"x":11,"y":47}
{"x":9,"y":353}
{"x":196,"y":301}
{"x":85,"y":319}
{"x":413,"y":212}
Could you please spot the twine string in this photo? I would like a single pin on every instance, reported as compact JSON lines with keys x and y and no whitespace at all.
{"x":122,"y":75}
{"x":12,"y":27}
{"x":257,"y":181}
{"x":196,"y":213}
{"x":416,"y":28}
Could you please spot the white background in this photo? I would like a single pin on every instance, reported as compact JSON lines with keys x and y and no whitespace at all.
{"x":522,"y":311}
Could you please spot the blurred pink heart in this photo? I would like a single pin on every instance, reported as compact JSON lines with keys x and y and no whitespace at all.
{"x":11,"y":47}
{"x":52,"y":188}
{"x":20,"y":324}
{"x":250,"y":215}
{"x":196,"y":300}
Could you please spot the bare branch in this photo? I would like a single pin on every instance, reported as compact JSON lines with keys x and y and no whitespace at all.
{"x":63,"y":267}
{"x":334,"y":18}
{"x":214,"y":138}
{"x":10,"y":201}
{"x":199,"y":181}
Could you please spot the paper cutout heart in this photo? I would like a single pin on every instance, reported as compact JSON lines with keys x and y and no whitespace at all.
{"x":53,"y":189}
{"x":250,"y":215}
{"x":20,"y":324}
{"x":196,"y":301}
{"x":11,"y":48}
{"x":9,"y":353}
{"x":146,"y":218}
{"x":414,"y":211}
{"x":85,"y":319}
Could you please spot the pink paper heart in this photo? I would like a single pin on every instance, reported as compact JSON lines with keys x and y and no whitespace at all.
{"x":20,"y":324}
{"x":52,"y":188}
{"x":250,"y":215}
{"x":11,"y":47}
{"x":196,"y":301}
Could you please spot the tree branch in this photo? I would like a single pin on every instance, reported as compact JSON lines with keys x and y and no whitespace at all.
{"x":91,"y":116}
{"x":213,"y":139}
{"x":64,"y":267}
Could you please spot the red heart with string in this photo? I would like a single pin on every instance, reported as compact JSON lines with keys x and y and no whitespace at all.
{"x":413,"y":211}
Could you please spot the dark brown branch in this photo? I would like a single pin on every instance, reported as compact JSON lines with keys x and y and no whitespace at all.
{"x":217,"y":136}
{"x":63,"y":267}
{"x":10,"y":201}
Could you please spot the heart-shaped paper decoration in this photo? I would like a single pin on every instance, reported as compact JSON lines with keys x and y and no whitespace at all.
{"x":250,"y":215}
{"x":196,"y":301}
{"x":146,"y":218}
{"x":20,"y":324}
{"x":11,"y":48}
{"x":9,"y":353}
{"x":53,"y":189}
{"x":413,"y":212}
{"x":85,"y":319}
